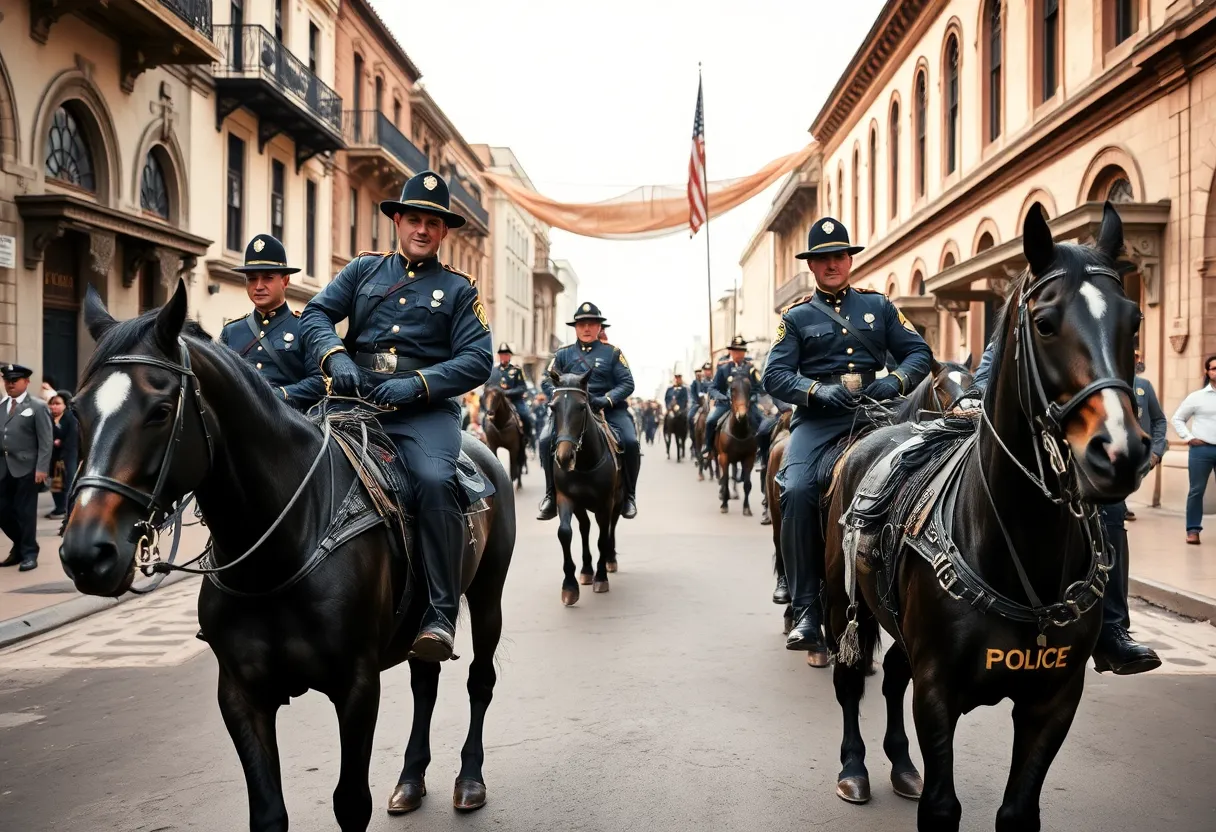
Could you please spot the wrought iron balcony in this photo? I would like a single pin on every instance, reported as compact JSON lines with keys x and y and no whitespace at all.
{"x":195,"y":12}
{"x":377,"y":148}
{"x":795,"y":287}
{"x":261,"y":74}
{"x":471,"y":204}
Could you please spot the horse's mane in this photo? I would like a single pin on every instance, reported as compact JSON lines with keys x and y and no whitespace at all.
{"x":1072,"y":258}
{"x":915,"y":400}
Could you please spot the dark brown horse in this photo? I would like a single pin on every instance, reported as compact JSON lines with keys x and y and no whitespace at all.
{"x":588,"y":479}
{"x":675,"y":426}
{"x":504,"y":430}
{"x":703,"y":459}
{"x":298,"y":599}
{"x":736,"y":443}
{"x":936,"y":394}
{"x":998,"y":591}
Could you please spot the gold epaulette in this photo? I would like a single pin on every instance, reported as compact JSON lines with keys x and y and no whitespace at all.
{"x":799,"y":302}
{"x":455,"y":270}
{"x":373,"y":254}
{"x":866,"y":291}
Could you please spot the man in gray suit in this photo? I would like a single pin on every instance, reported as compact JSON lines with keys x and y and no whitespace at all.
{"x":26,"y":442}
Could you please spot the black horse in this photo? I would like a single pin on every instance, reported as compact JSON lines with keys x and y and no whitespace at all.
{"x":165,"y":411}
{"x":504,"y":429}
{"x":998,"y":592}
{"x":588,"y":479}
{"x":736,"y":444}
{"x":675,"y":426}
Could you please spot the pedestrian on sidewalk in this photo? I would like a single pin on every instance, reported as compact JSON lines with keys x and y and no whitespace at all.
{"x":1199,"y":408}
{"x":65,"y":451}
{"x":1152,"y":417}
{"x":25,"y":440}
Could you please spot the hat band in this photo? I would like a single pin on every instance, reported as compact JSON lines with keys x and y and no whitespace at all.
{"x":825,"y":245}
{"x":264,"y":263}
{"x":428,"y":203}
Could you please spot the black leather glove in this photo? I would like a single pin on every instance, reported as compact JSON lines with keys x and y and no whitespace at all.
{"x":398,"y":391}
{"x":343,"y":374}
{"x":833,"y":395}
{"x":881,"y":389}
{"x":600,"y":402}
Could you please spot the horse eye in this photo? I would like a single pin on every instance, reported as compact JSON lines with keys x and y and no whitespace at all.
{"x":160,"y":413}
{"x":1045,"y":326}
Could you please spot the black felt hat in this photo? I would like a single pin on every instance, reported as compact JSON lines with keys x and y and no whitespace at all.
{"x":505,"y":347}
{"x":425,"y":192}
{"x":587,"y":312}
{"x":738,"y":343}
{"x":265,"y":254}
{"x":13,"y":372}
{"x":828,"y":236}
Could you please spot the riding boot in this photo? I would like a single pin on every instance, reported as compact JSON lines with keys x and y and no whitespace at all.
{"x":548,"y":505}
{"x":807,"y":632}
{"x":633,"y":467}
{"x":781,"y":595}
{"x":441,"y":538}
{"x":1121,"y":654}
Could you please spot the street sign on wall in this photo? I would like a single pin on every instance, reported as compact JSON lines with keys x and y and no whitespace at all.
{"x":8,"y":252}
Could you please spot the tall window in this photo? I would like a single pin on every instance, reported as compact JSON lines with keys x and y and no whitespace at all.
{"x":922,"y":105}
{"x":153,"y":194}
{"x":855,"y":193}
{"x":354,"y":221}
{"x":314,"y":47}
{"x":310,"y":227}
{"x":840,"y":193}
{"x":951,"y":136}
{"x":375,"y":215}
{"x":396,"y":113}
{"x":918,"y":283}
{"x":873,"y":180}
{"x":993,"y":18}
{"x":278,"y":176}
{"x":894,"y":151}
{"x":278,"y":20}
{"x":1050,"y":48}
{"x":357,"y":97}
{"x":67,"y":152}
{"x":379,"y":94}
{"x":236,"y":192}
{"x":1125,"y":20}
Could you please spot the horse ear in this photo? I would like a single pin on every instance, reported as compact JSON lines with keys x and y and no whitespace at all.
{"x":97,"y":319}
{"x":555,"y":377}
{"x":935,"y":366}
{"x":170,"y":318}
{"x":1037,"y":244}
{"x":970,"y":358}
{"x":1110,"y":236}
{"x":584,"y":379}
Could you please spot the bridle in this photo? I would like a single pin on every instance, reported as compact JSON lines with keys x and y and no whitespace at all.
{"x":565,"y":437}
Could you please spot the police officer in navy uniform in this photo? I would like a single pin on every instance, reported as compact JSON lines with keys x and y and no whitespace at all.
{"x":828,"y":346}
{"x":738,"y":362}
{"x":269,"y":336}
{"x":610,"y":385}
{"x":764,"y":444}
{"x":417,"y":337}
{"x":677,"y":394}
{"x":701,"y":384}
{"x":509,"y":378}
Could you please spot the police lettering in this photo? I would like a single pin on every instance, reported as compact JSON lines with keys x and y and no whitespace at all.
{"x":1040,"y":658}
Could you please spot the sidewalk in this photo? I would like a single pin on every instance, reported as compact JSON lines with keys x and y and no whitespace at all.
{"x":1166,"y":571}
{"x":39,"y":600}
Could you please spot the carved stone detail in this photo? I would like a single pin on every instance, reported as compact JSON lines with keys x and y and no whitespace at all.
{"x":101,"y":252}
{"x":1179,"y":333}
{"x":170,"y":268}
{"x":38,"y":235}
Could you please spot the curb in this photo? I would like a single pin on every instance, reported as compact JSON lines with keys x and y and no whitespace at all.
{"x":1199,"y":607}
{"x":41,"y":621}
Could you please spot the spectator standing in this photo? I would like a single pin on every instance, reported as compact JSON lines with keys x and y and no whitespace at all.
{"x":65,"y":453}
{"x":25,"y":439}
{"x":1199,"y":408}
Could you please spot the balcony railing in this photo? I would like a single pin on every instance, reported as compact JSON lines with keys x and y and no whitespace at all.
{"x":793,"y":288}
{"x":252,"y":52}
{"x":195,"y":12}
{"x":371,"y":127}
{"x":460,"y":192}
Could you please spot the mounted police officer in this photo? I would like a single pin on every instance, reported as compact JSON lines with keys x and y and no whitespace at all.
{"x":417,"y":337}
{"x":703,"y":383}
{"x":720,"y":390}
{"x":828,"y":346}
{"x":610,"y":385}
{"x":764,"y":444}
{"x":509,"y":378}
{"x":269,"y":336}
{"x":677,"y":394}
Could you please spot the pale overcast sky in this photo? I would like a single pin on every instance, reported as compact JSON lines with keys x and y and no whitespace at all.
{"x":598,"y":99}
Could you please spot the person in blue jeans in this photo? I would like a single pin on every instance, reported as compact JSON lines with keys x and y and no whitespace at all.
{"x":1199,"y":408}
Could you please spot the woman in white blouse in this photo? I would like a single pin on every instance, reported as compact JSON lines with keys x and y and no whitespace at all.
{"x":1200,"y":409}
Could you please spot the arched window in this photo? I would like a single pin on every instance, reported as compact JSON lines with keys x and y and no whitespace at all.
{"x":1112,"y":183}
{"x":994,"y":88}
{"x":986,"y":242}
{"x":921,"y":99}
{"x":873,"y":196}
{"x":856,"y":197}
{"x":918,"y":283}
{"x":68,"y":157}
{"x":153,"y":194}
{"x":379,"y":94}
{"x":948,"y":260}
{"x":951,"y":109}
{"x":894,"y":151}
{"x":1048,"y":48}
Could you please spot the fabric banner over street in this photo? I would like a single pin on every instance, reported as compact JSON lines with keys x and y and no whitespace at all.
{"x":645,"y":212}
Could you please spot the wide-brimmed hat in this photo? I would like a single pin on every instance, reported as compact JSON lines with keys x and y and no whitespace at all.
{"x":265,"y":254}
{"x":706,"y":366}
{"x":828,"y":236}
{"x":505,"y":347}
{"x":738,"y":343}
{"x":425,"y":192}
{"x":13,"y":372}
{"x":587,"y":312}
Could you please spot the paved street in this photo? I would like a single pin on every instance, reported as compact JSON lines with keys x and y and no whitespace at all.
{"x":667,"y":704}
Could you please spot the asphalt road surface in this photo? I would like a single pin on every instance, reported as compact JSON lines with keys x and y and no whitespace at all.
{"x":667,"y":704}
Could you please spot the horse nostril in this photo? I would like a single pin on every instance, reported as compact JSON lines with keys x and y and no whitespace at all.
{"x":1099,"y":453}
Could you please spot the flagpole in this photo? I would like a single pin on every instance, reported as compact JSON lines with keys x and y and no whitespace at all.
{"x":709,"y":291}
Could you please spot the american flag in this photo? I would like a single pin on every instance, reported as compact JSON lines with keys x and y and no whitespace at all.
{"x":698,"y":211}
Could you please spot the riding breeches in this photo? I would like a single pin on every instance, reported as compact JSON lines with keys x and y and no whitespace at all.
{"x":764,"y":439}
{"x":429,"y":443}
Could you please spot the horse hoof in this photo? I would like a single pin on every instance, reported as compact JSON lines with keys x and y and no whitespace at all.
{"x":854,"y":789}
{"x":611,"y":566}
{"x":725,"y":509}
{"x":908,"y":784}
{"x":584,"y":578}
{"x":599,"y":586}
{"x":468,"y":795}
{"x":747,"y":512}
{"x":406,"y":798}
{"x":570,"y":597}
{"x":817,"y":658}
{"x":789,"y":625}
